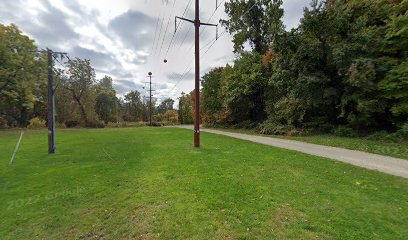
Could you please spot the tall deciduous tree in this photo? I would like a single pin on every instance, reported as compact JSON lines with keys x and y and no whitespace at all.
{"x":257,"y":22}
{"x":22,"y":76}
{"x":185,"y":114}
{"x":81,"y":78}
{"x":213,"y":107}
{"x":106,"y":105}
{"x":134,"y":107}
{"x":165,"y":105}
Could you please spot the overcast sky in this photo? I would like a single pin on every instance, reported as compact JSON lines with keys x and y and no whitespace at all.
{"x":122,"y":38}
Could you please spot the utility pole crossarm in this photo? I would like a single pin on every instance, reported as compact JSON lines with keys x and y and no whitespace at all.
{"x":185,"y":19}
{"x":192,"y":21}
{"x":209,"y":24}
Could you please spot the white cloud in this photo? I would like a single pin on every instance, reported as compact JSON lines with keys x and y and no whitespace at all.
{"x":118,"y":37}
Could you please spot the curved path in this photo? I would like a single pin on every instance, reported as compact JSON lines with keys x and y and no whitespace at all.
{"x":390,"y":165}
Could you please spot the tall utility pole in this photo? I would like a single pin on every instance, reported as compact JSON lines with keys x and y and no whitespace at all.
{"x":51,"y":104}
{"x":51,"y":98}
{"x":197,"y":23}
{"x":150,"y":98}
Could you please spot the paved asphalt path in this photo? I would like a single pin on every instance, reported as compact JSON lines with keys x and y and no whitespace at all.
{"x":385,"y":164}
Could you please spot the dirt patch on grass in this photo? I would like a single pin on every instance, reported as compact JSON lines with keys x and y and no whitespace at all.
{"x":92,"y":236}
{"x":294,"y":224}
{"x":143,"y":218}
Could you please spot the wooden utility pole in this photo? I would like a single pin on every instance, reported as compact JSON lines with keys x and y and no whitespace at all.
{"x":197,"y":25}
{"x":197,"y":76}
{"x":51,"y":104}
{"x":51,"y":97}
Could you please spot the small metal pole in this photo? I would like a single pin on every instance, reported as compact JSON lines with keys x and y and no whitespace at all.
{"x":16,"y":148}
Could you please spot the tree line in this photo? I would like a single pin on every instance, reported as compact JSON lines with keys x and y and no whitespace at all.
{"x":344,"y":67}
{"x":81,"y":99}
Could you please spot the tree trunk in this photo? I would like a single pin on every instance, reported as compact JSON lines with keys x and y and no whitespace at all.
{"x":81,"y":109}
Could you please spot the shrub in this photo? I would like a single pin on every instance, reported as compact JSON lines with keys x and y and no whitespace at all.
{"x":343,"y":131}
{"x":116,"y":124}
{"x":95,"y":124}
{"x":298,"y":132}
{"x":72,"y":123}
{"x":137,"y":124}
{"x":12,"y":124}
{"x":381,"y":135}
{"x":36,"y":123}
{"x":157,"y":124}
{"x":3,"y":123}
{"x":271,"y":128}
{"x":126,"y":124}
{"x":60,"y":125}
{"x":403,"y":132}
{"x":216,"y":125}
{"x":246,"y":125}
{"x":319,"y":125}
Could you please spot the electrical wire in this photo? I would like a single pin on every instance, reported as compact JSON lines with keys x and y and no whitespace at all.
{"x":210,"y":46}
{"x":155,"y":32}
{"x":212,"y":15}
{"x":167,"y":27}
{"x":185,"y":37}
{"x":175,"y":32}
{"x":161,"y":26}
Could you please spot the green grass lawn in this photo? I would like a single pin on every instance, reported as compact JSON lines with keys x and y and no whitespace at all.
{"x":387,"y":148}
{"x":155,"y":185}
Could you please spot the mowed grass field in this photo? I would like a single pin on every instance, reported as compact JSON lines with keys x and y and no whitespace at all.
{"x":150,"y":183}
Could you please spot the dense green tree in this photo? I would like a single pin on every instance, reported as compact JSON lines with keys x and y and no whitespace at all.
{"x":395,"y":83}
{"x":345,"y":64}
{"x":66,"y":107}
{"x":257,"y":22}
{"x":213,"y":109}
{"x":303,"y":86}
{"x":185,"y":114}
{"x":395,"y":86}
{"x":245,"y":88}
{"x":22,"y":76}
{"x":80,"y":82}
{"x":165,"y":105}
{"x":106,"y":105}
{"x":134,"y":107}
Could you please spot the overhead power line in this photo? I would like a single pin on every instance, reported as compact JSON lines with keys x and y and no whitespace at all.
{"x":167,"y":28}
{"x":176,"y":28}
{"x":210,"y":44}
{"x":161,"y":27}
{"x":155,"y":32}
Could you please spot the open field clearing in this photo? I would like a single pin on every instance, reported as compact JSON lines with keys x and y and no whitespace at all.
{"x":150,"y":183}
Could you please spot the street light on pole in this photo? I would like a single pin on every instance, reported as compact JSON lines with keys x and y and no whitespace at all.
{"x":150,"y":97}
